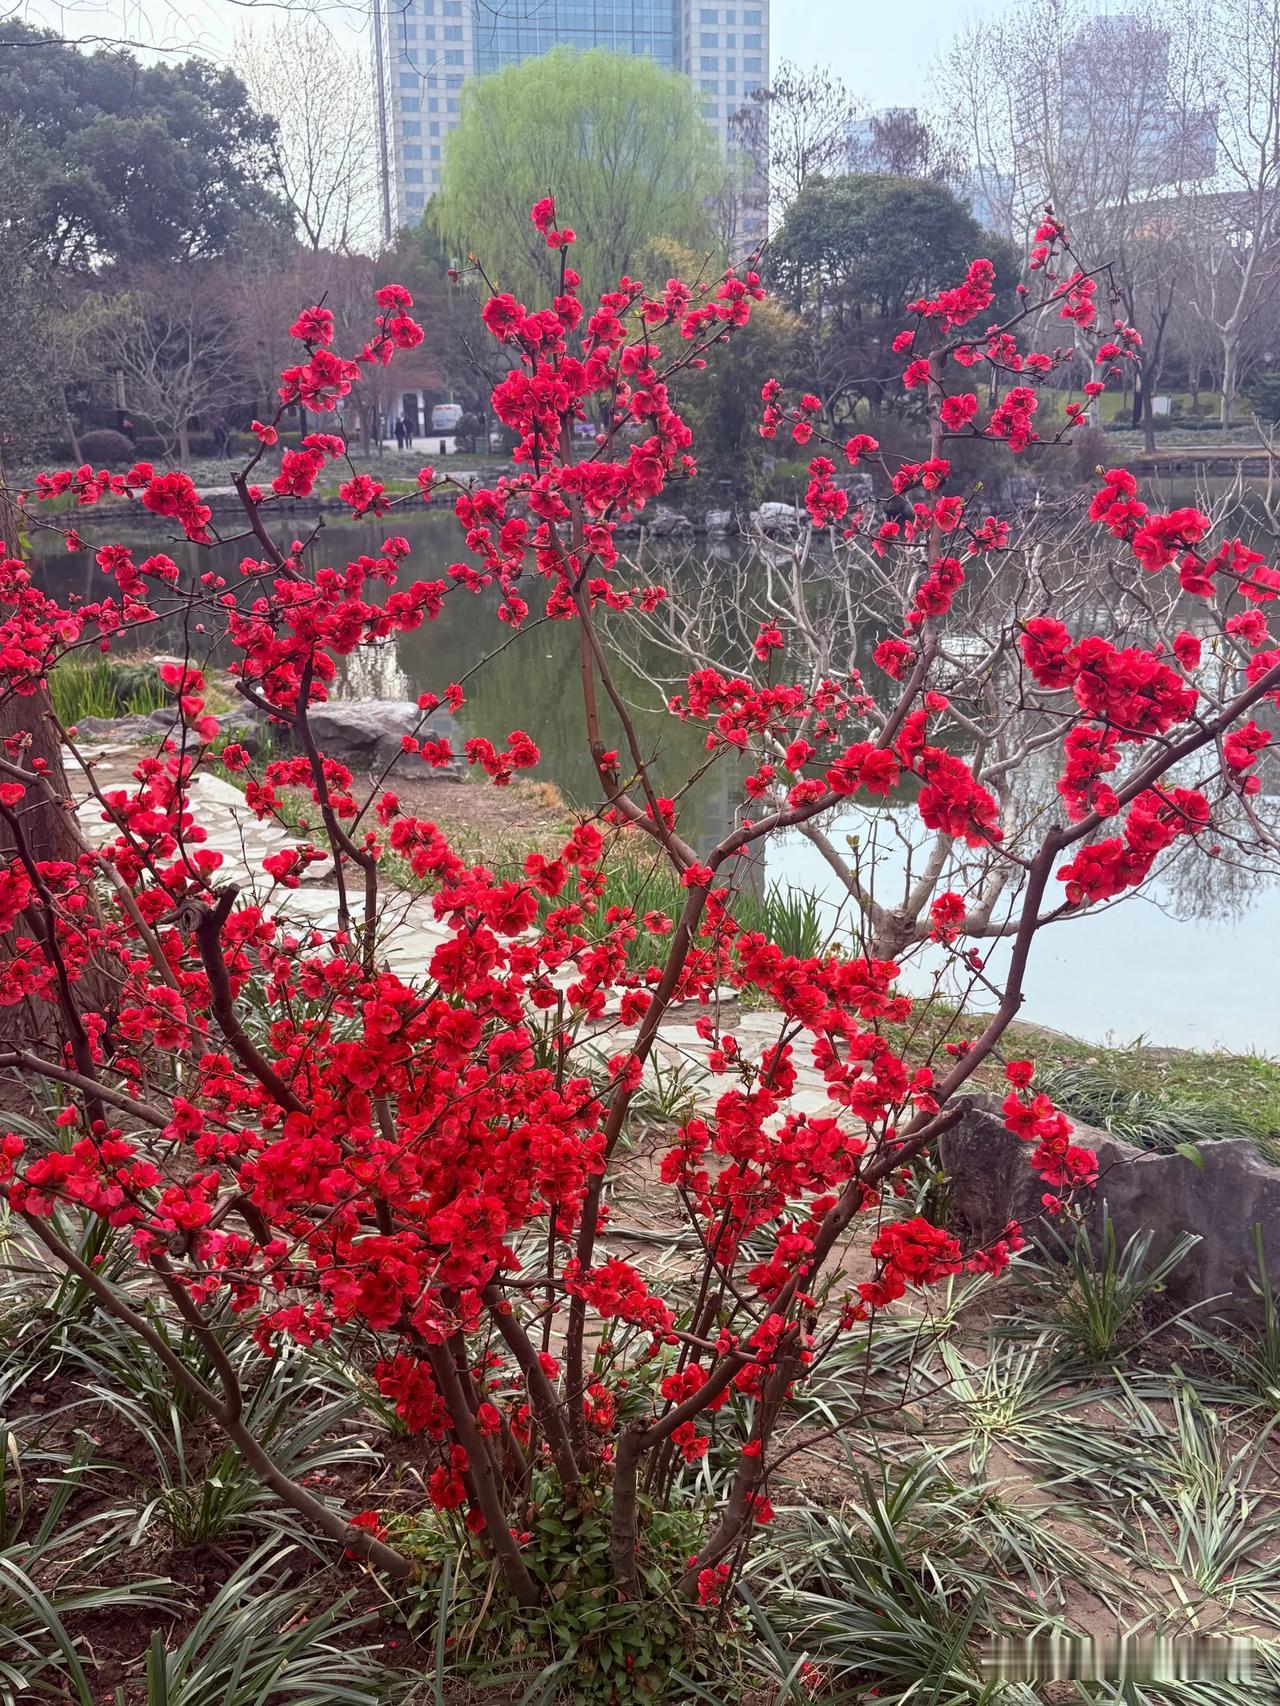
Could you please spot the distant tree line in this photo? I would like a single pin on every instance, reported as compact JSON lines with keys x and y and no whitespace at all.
{"x":157,"y":220}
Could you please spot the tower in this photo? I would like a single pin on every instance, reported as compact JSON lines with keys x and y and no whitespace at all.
{"x":426,"y":49}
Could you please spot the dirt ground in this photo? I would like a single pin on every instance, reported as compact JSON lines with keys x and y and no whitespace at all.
{"x":522,"y":814}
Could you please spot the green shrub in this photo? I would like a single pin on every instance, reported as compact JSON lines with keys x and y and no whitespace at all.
{"x":1099,"y":1313}
{"x":1264,"y":396}
{"x":1167,"y":1122}
{"x":106,"y":448}
{"x":585,"y":1644}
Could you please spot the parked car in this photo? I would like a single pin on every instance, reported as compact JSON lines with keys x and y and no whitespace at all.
{"x":445,"y":416}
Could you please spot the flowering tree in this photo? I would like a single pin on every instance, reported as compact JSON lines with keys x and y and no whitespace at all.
{"x":828,"y":593}
{"x":418,"y":1167}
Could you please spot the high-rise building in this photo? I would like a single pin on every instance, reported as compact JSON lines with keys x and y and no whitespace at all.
{"x":622,"y":26}
{"x":1139,"y":135}
{"x":424,"y":50}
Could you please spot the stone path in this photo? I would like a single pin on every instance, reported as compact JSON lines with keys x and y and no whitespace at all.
{"x":411,"y":933}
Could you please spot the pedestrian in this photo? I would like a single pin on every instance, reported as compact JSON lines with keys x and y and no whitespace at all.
{"x":408,"y":432}
{"x":399,"y":433}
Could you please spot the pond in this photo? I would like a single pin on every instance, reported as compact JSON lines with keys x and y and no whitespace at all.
{"x":1191,"y":963}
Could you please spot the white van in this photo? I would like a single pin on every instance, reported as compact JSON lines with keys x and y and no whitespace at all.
{"x":445,"y":416}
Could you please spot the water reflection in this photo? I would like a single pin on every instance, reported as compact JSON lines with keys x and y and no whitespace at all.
{"x":1191,"y":964}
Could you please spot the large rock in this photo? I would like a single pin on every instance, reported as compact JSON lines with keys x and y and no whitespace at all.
{"x":136,"y":726}
{"x":366,"y":734}
{"x":662,"y":522}
{"x":776,"y":518}
{"x":1013,"y":493}
{"x":244,"y":724}
{"x":1222,"y":1199}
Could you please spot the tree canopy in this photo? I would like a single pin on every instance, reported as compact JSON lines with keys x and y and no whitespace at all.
{"x":28,"y":397}
{"x":147,"y":163}
{"x":854,"y":250}
{"x":619,"y":139}
{"x":876,"y":240}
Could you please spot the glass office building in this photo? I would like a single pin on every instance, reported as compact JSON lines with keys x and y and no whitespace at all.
{"x":622,"y":26}
{"x":426,"y":49}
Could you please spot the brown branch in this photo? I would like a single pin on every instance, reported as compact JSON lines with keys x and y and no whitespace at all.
{"x":542,"y":1396}
{"x":497,"y":1532}
{"x":24,"y":1061}
{"x":356,"y":1540}
{"x":208,"y":928}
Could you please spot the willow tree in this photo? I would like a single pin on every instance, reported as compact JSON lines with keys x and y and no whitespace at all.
{"x":621,"y":139}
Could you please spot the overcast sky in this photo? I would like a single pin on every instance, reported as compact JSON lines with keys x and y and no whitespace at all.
{"x":882,"y":53}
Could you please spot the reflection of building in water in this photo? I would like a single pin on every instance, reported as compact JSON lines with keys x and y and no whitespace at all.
{"x":718,"y":805}
{"x":374,"y":672}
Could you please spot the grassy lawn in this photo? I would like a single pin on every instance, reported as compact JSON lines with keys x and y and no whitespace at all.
{"x":1153,"y":1097}
{"x":1117,"y":409}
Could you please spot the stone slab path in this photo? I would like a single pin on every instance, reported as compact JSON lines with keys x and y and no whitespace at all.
{"x":412,"y":933}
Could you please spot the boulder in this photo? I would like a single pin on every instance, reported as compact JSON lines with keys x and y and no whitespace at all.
{"x":366,"y":734}
{"x":134,"y":727}
{"x":664,"y":523}
{"x":161,"y":721}
{"x":777,"y":518}
{"x":242,"y":723}
{"x":1014,"y":493}
{"x":1221,"y":1197}
{"x":720,"y":523}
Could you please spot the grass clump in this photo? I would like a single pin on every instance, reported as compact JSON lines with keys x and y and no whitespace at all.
{"x":584,"y":1644}
{"x":789,"y":917}
{"x":1100,"y":1313}
{"x":1159,"y":1099}
{"x":105,"y":687}
{"x":1166,"y":1104}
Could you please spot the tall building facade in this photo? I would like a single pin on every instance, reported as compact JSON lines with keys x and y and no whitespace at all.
{"x":424,"y":50}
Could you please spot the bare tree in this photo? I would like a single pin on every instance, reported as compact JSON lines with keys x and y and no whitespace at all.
{"x":831,"y":600}
{"x":900,"y":142}
{"x":1107,"y":122}
{"x":324,"y":151}
{"x":78,"y":324}
{"x":1236,"y":215}
{"x":739,"y":214}
{"x":173,"y":341}
{"x":803,"y":120}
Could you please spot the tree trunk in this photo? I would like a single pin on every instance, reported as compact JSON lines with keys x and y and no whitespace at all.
{"x":51,"y":833}
{"x":73,"y":438}
{"x":1230,"y":376}
{"x":184,"y":444}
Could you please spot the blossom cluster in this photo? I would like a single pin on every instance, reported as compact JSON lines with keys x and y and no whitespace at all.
{"x":288,"y":1128}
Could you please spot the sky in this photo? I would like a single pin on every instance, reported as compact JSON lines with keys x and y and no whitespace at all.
{"x":881,"y":54}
